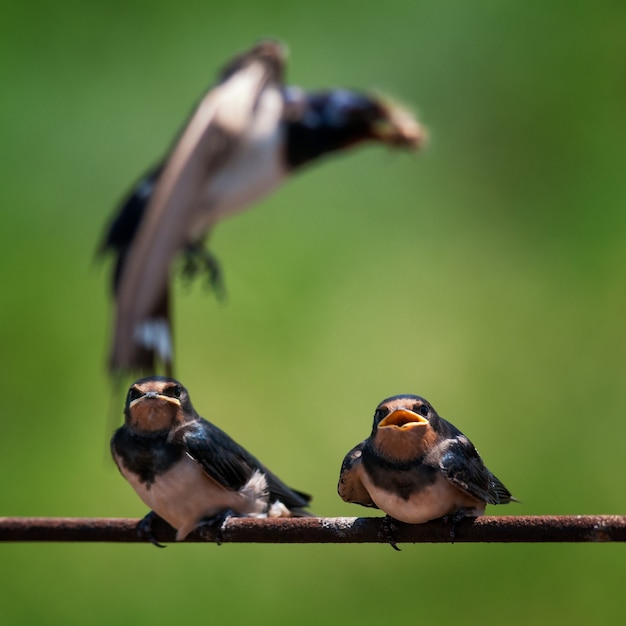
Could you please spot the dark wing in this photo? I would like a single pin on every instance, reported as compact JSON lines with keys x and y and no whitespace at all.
{"x":118,"y":240}
{"x":463,"y":467}
{"x":293,"y":499}
{"x":350,"y":487}
{"x":122,"y":229}
{"x":231,"y":465}
{"x":206,"y":143}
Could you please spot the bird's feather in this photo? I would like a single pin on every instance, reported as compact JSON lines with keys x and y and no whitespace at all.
{"x":231,"y":465}
{"x":205,"y":146}
{"x":463,"y":467}
{"x":351,"y":488}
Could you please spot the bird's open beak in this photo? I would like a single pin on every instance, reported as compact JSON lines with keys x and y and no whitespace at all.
{"x":398,"y":127}
{"x":403,"y":419}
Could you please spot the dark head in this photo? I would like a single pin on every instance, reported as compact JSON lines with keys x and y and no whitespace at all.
{"x":157,"y":403}
{"x":322,"y":122}
{"x":405,"y":426}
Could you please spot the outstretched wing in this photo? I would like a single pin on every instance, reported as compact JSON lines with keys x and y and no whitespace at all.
{"x":204,"y":147}
{"x":231,"y":465}
{"x":350,"y":487}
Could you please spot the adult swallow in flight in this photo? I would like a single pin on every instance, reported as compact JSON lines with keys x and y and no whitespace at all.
{"x":245,"y":138}
{"x":415,"y":466}
{"x":187,"y":470}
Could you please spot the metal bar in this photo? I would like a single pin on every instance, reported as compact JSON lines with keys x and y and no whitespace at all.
{"x":513,"y":529}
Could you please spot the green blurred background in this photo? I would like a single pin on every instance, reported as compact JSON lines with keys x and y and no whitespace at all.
{"x":486,"y":274}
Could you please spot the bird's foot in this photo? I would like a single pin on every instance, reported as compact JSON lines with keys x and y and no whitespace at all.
{"x":453,"y":519}
{"x":145,"y":532}
{"x":215,"y":525}
{"x":199,"y":259}
{"x":388,"y":532}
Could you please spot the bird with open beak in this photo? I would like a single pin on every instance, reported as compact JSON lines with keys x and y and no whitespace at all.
{"x":247,"y":136}
{"x":187,"y":470}
{"x":416,"y":466}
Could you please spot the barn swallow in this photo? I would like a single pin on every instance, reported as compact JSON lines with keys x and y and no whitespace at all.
{"x":416,"y":466}
{"x":247,"y":135}
{"x":187,"y":470}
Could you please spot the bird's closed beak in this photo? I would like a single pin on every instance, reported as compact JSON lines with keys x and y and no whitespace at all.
{"x":155,"y":395}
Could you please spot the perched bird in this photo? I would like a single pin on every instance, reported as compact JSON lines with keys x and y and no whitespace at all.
{"x":416,"y":467}
{"x":245,"y":138}
{"x":187,"y":470}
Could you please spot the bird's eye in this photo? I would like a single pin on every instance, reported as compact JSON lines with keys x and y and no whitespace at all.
{"x":379,"y":414}
{"x":422,"y":409}
{"x":133,"y":394}
{"x":173,"y":392}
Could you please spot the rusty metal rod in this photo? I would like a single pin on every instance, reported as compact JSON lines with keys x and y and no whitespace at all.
{"x":513,"y":529}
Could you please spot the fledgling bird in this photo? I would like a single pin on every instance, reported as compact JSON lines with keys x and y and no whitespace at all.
{"x":416,"y":466}
{"x":248,"y":135}
{"x":187,"y":470}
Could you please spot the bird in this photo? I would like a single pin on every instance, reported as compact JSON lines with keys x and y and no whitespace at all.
{"x":247,"y":135}
{"x":415,"y":466}
{"x":189,"y":471}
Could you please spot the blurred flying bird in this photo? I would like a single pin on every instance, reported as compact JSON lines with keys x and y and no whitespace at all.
{"x":187,"y":470}
{"x":415,"y":466}
{"x":247,"y":135}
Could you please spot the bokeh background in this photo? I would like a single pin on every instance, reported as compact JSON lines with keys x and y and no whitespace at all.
{"x":486,"y":274}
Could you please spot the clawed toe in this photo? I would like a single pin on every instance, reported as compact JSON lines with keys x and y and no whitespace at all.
{"x":453,"y":519}
{"x":388,"y":532}
{"x":145,"y":531}
{"x":198,"y":259}
{"x":215,"y":525}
